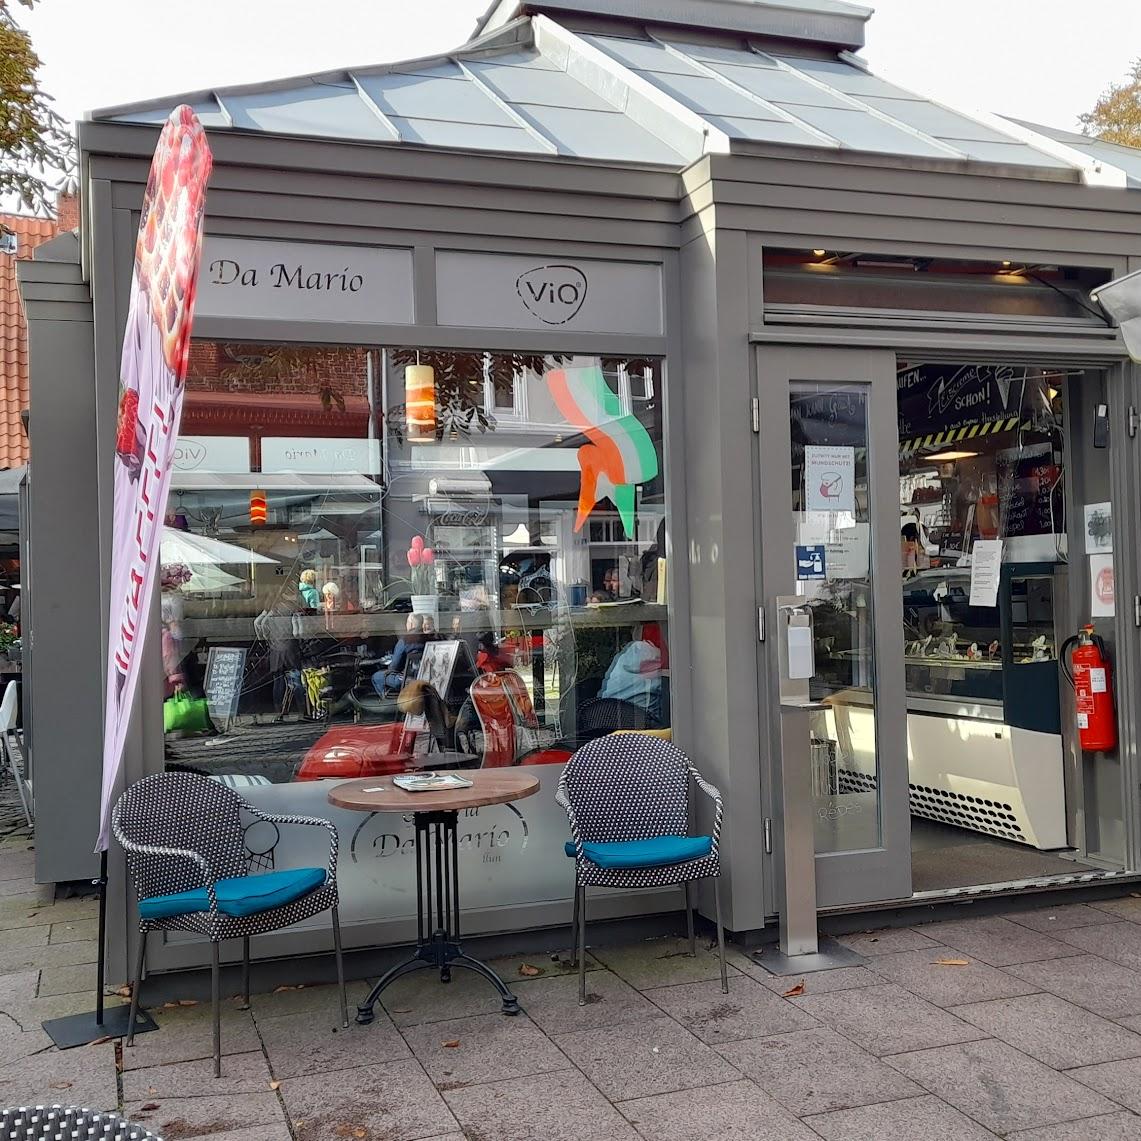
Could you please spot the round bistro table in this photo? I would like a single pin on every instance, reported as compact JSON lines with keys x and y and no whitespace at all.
{"x":437,"y":866}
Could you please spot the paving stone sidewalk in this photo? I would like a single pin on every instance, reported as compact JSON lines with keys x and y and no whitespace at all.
{"x":1025,"y":1026}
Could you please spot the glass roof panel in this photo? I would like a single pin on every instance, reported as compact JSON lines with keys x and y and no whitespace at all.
{"x":431,"y":97}
{"x":318,"y":109}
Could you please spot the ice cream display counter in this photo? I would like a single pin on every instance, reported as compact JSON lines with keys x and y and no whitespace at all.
{"x":983,"y":706}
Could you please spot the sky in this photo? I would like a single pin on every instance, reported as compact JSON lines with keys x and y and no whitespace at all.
{"x":1042,"y":60}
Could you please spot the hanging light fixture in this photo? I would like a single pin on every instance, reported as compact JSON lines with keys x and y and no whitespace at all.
{"x":258,"y":513}
{"x":420,"y":402}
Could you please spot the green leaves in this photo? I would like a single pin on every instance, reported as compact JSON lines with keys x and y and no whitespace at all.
{"x":37,"y":151}
{"x":1116,"y":117}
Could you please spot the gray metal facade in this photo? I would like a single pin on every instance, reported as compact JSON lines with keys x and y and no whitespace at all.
{"x":699,"y":199}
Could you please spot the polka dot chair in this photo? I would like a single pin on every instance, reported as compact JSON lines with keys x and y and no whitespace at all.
{"x":183,"y":835}
{"x":627,"y":797}
{"x":71,"y":1123}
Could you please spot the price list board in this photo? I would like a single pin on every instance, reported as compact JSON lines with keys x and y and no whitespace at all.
{"x":225,"y":669}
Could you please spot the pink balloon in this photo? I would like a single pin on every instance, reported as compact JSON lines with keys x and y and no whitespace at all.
{"x":413,"y":557}
{"x":417,"y":543}
{"x":428,"y":555}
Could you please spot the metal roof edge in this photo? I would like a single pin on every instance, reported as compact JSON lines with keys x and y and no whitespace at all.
{"x":1092,"y":172}
{"x":713,"y":139}
{"x":837,"y":23}
{"x":505,"y":36}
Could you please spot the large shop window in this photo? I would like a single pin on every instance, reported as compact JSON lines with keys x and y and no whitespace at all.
{"x":381,"y":559}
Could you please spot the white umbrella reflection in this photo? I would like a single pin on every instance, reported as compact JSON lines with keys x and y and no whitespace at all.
{"x":199,"y":550}
{"x":208,"y":579}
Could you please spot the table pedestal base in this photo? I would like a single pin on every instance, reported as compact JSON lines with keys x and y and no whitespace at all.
{"x":437,"y":914}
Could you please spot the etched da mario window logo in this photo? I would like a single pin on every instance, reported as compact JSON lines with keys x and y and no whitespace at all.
{"x":553,"y":293}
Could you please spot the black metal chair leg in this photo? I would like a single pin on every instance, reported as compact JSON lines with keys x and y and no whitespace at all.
{"x":689,"y":918}
{"x":582,"y":947}
{"x":245,"y":972}
{"x":720,"y":935}
{"x":214,"y":988}
{"x":574,"y":928}
{"x":340,"y":967}
{"x":136,"y":982}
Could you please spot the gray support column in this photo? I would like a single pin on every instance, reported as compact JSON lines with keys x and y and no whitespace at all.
{"x":723,"y":733}
{"x":63,"y":664}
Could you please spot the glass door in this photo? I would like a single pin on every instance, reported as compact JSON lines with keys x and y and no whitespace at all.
{"x":831,"y":538}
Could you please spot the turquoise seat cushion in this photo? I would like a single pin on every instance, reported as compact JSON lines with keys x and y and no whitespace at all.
{"x":243,"y":895}
{"x":655,"y":853}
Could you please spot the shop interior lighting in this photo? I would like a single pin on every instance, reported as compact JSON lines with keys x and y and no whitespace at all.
{"x":947,"y":457}
{"x":420,"y":403}
{"x":819,"y":253}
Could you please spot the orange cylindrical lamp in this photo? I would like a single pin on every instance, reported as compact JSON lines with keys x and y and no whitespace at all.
{"x":420,"y":403}
{"x":257,"y":509}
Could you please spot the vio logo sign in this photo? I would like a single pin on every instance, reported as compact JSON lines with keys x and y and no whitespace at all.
{"x":553,"y":293}
{"x":188,"y":456}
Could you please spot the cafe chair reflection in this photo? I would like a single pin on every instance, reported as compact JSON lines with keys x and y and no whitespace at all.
{"x":627,"y":797}
{"x":183,"y":836}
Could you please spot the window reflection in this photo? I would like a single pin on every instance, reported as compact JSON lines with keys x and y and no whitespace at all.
{"x":381,"y":559}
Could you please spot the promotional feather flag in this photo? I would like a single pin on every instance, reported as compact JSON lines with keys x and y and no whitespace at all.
{"x":151,"y":380}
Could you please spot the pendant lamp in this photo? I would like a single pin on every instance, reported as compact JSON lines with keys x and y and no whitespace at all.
{"x":257,"y":509}
{"x":420,"y":402}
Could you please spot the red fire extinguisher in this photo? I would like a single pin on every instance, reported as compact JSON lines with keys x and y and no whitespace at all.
{"x":1092,"y":684}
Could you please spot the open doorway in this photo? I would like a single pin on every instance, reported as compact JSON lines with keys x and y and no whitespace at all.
{"x":1006,"y":548}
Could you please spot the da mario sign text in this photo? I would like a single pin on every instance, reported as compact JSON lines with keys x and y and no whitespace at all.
{"x":304,"y":281}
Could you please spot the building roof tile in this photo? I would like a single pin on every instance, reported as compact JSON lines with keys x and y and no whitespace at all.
{"x":27,"y":233}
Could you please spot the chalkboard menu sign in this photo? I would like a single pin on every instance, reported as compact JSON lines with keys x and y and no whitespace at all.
{"x":225,"y":668}
{"x":942,"y":398}
{"x":1027,"y":480}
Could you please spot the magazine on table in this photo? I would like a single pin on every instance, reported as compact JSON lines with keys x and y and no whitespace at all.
{"x":430,"y":782}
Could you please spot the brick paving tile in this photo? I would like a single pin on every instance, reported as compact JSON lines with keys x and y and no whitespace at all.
{"x":1099,"y":985}
{"x":998,"y":941}
{"x":1120,"y":942}
{"x":395,"y":1101}
{"x":817,"y":1071}
{"x":1118,"y":1080}
{"x":562,"y":1106}
{"x":241,"y":1073}
{"x":1128,"y":907}
{"x":819,"y":982}
{"x":63,"y":1077}
{"x":552,"y":1004}
{"x":315,"y":1043}
{"x":1110,"y":1127}
{"x":999,"y":1087}
{"x":916,"y":1119}
{"x":660,"y":962}
{"x":887,"y":941}
{"x":645,"y":1058}
{"x":1052,"y":1030}
{"x":747,"y":1011}
{"x":947,"y":984}
{"x":887,"y":1019}
{"x":179,"y":1117}
{"x":736,"y":1111}
{"x":488,"y":1047}
{"x":1062,"y":918}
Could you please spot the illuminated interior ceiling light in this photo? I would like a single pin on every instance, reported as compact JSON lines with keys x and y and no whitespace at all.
{"x":819,"y":253}
{"x":948,"y":456}
{"x":420,"y":403}
{"x":1006,"y":263}
{"x":258,"y":511}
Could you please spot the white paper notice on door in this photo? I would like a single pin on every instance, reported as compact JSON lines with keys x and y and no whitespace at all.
{"x":986,"y":568}
{"x":830,"y":479}
{"x":1102,"y":603}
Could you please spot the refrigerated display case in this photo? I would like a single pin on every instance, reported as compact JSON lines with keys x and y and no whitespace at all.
{"x":983,"y":704}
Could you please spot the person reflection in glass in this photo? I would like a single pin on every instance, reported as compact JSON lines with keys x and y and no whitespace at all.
{"x":411,"y":644}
